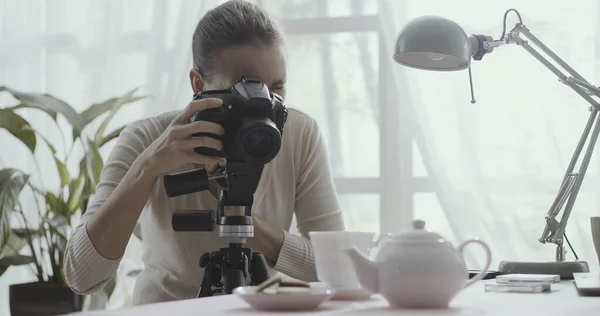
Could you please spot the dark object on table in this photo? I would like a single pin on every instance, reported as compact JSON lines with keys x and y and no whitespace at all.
{"x":41,"y":299}
{"x":488,"y":276}
{"x":565,"y":268}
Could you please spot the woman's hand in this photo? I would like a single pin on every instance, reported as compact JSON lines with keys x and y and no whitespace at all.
{"x":175,"y":147}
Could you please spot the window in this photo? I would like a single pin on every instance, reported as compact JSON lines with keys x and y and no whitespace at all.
{"x":339,"y":74}
{"x":334,"y":78}
{"x":335,"y":59}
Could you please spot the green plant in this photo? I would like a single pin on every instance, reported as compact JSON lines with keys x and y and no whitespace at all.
{"x":40,"y":241}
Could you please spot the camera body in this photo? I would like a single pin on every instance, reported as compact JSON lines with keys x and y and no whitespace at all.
{"x":253,"y":119}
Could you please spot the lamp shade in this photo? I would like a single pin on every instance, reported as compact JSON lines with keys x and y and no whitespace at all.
{"x":433,"y":43}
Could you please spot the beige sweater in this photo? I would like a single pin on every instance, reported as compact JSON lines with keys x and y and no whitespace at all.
{"x":298,"y":181}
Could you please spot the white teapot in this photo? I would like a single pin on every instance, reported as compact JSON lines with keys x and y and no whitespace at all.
{"x":416,"y":269}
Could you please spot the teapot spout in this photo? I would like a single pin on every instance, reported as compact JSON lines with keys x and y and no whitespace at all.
{"x":367,"y":271}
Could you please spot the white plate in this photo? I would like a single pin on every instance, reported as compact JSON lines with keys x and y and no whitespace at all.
{"x":301,"y":301}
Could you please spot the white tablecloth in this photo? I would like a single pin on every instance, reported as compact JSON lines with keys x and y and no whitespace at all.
{"x":562,"y":301}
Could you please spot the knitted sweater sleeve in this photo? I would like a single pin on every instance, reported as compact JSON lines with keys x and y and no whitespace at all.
{"x":85,"y":270}
{"x":316,"y":208}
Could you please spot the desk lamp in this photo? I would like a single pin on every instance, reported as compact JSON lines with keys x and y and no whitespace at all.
{"x":438,"y":44}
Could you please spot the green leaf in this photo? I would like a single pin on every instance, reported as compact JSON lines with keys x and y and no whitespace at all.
{"x":52,"y":149}
{"x":13,"y":245}
{"x":58,"y":221}
{"x":18,"y":127}
{"x":23,"y":106}
{"x":49,"y":104}
{"x":55,"y":205}
{"x":26,"y":233}
{"x":96,"y":110}
{"x":75,"y":134}
{"x":112,"y":135}
{"x":14,"y":260}
{"x":133,"y":273}
{"x":52,"y":201}
{"x":60,"y":243}
{"x":94,"y":163}
{"x":125,"y":99}
{"x":4,"y":233}
{"x":88,"y":191}
{"x":137,"y":231}
{"x":75,"y":190}
{"x":12,"y":182}
{"x":59,"y":224}
{"x":62,"y":172}
{"x":109,"y":288}
{"x":89,"y":188}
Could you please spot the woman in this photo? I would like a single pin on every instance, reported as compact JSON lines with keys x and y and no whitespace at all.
{"x":234,"y":39}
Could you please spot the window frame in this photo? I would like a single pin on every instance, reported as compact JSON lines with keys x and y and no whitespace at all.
{"x":395,"y":185}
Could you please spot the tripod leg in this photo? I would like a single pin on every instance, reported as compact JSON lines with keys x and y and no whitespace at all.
{"x":205,"y":288}
{"x":212,"y":273}
{"x":259,"y":271}
{"x":233,"y":279}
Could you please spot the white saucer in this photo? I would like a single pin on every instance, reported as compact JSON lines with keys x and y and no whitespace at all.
{"x":346,"y":294}
{"x":301,"y":301}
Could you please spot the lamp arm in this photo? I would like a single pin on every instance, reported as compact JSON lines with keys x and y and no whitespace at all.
{"x":583,"y":89}
{"x":569,"y":189}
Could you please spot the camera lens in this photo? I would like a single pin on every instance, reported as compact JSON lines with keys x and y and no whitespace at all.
{"x":258,"y":143}
{"x":258,"y":140}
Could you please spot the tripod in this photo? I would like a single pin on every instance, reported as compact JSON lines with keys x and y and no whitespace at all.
{"x":229,"y":267}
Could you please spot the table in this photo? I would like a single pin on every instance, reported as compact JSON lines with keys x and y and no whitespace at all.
{"x":473,"y":301}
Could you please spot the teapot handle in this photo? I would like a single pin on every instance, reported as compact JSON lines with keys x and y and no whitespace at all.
{"x":382,"y":237}
{"x":488,"y":259}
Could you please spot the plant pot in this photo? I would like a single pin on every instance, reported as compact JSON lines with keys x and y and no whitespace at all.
{"x":37,"y":299}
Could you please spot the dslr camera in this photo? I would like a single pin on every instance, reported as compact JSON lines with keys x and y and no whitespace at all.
{"x":252,"y":117}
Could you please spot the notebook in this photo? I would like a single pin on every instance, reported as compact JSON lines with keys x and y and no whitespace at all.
{"x":587,"y":284}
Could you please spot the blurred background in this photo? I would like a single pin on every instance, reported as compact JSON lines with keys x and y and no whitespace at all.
{"x":403,"y":143}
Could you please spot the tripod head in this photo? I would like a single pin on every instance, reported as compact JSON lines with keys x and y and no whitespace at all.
{"x":237,"y":181}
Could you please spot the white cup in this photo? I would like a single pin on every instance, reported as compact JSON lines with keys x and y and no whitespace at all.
{"x":333,"y":265}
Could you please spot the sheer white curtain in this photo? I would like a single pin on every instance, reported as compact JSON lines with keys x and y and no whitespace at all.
{"x":495,"y":166}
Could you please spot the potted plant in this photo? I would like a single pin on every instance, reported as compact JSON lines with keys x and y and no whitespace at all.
{"x":39,"y":241}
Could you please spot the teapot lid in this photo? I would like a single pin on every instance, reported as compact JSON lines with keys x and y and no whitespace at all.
{"x":419,"y":233}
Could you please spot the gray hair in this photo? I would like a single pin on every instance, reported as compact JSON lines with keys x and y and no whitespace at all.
{"x":235,"y":22}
